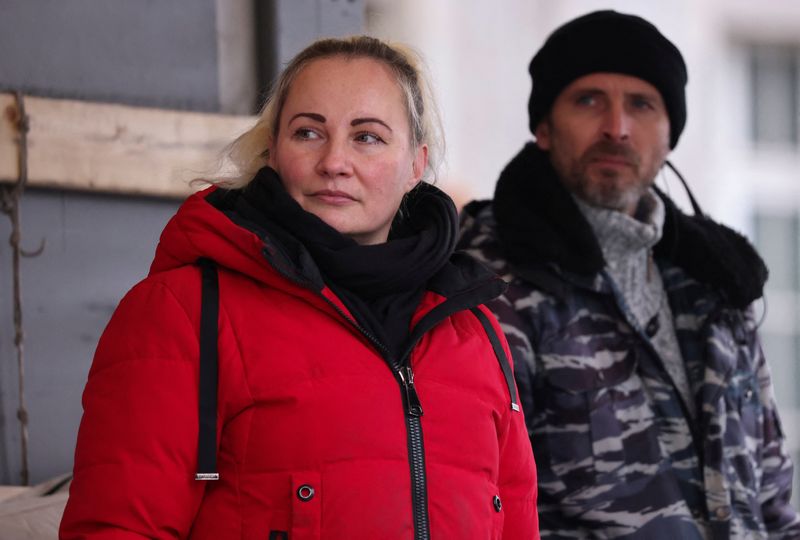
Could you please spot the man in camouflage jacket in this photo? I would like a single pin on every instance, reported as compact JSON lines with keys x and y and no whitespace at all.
{"x":646,"y":393}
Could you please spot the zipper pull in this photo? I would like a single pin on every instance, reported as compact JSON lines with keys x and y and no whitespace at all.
{"x":413,"y":406}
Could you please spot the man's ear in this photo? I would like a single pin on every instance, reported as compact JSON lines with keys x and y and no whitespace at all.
{"x":543,"y":135}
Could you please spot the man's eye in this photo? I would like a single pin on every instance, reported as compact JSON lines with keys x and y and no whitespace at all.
{"x":368,"y":138}
{"x":642,"y":103}
{"x":585,"y":100}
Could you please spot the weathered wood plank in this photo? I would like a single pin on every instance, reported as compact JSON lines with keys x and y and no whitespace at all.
{"x":115,"y":148}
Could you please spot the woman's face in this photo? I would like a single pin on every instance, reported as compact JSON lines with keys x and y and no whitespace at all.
{"x":343,"y":148}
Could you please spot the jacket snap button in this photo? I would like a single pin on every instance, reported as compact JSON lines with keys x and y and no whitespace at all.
{"x":498,"y":505}
{"x":723,"y":512}
{"x":652,"y":327}
{"x":305,"y":493}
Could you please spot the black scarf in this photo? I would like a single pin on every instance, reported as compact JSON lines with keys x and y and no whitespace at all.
{"x":539,"y":222}
{"x":381,"y":283}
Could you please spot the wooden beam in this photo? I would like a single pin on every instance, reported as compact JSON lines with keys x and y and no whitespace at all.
{"x":114,"y":148}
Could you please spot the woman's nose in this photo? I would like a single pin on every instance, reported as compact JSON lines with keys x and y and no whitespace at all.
{"x":334,"y":159}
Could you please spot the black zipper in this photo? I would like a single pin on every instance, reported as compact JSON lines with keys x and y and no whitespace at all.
{"x":416,"y":454}
{"x":413,"y":412}
{"x":413,"y":406}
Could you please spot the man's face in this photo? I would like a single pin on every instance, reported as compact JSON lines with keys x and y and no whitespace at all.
{"x":608,"y":136}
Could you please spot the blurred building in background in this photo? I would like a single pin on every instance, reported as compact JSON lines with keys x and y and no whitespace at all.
{"x":740,"y":152}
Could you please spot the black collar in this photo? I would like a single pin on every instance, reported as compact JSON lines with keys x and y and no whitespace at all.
{"x":380,"y":284}
{"x":539,"y":222}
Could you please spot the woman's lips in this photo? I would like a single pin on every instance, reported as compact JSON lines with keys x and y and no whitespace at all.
{"x":333,"y":197}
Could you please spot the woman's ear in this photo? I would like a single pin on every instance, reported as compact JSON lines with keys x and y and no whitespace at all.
{"x":269,"y":152}
{"x":418,"y":166}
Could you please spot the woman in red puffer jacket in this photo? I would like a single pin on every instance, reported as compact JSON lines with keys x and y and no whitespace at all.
{"x":362,"y":390}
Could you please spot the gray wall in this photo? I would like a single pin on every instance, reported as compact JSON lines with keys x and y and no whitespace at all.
{"x":293,"y":24}
{"x":96,"y":248}
{"x":206,"y":55}
{"x":210,"y":55}
{"x":140,"y":52}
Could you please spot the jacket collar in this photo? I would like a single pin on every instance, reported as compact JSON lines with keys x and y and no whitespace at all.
{"x":457,"y":276}
{"x":539,"y":222}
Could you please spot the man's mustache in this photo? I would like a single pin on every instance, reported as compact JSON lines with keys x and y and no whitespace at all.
{"x":603,"y":149}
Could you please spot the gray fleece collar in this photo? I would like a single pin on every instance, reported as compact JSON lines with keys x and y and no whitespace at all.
{"x":619,"y":235}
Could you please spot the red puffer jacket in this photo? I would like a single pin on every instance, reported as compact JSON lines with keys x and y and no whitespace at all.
{"x":316,"y":436}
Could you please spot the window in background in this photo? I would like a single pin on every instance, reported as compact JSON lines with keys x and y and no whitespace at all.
{"x":775,"y":80}
{"x":778,"y":240}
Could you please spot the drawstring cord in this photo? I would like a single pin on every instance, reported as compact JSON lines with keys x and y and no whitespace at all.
{"x":695,"y":206}
{"x":699,"y":213}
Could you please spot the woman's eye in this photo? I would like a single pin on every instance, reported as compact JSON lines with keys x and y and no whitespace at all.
{"x":368,"y":138}
{"x":305,"y":134}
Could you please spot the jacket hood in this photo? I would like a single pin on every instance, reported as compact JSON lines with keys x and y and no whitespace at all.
{"x":199,"y":229}
{"x":539,"y":222}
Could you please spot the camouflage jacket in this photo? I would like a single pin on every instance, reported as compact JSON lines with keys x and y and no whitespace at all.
{"x":619,"y":454}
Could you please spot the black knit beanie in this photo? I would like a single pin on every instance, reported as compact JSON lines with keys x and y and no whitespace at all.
{"x":608,"y":41}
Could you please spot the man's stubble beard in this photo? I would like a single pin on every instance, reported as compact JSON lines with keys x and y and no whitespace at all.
{"x":607,"y":187}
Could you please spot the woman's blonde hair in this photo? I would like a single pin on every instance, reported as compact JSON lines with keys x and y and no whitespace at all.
{"x":249,"y":152}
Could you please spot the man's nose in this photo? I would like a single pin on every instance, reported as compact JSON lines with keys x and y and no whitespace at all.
{"x":616,"y":123}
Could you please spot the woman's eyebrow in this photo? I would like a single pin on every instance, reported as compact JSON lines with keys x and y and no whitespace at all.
{"x":313,"y":116}
{"x":368,"y":120}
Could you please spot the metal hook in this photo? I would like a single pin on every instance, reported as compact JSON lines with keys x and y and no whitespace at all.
{"x":36,"y":252}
